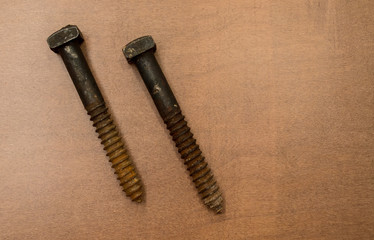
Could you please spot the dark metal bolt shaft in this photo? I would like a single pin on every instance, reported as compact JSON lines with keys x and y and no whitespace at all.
{"x":141,"y":53}
{"x":66,"y":42}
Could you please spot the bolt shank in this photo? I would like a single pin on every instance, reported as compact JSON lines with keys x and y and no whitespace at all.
{"x":156,"y":83}
{"x":81,"y":74}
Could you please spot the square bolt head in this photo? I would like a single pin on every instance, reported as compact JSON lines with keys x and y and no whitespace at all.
{"x":137,"y":47}
{"x":64,"y":36}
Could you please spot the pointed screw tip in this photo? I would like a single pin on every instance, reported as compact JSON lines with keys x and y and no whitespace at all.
{"x":219,"y":210}
{"x":138,"y":199}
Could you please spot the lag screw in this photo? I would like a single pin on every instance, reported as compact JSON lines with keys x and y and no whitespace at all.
{"x":141,"y":52}
{"x":66,"y":42}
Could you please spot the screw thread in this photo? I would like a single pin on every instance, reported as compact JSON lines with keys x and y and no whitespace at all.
{"x":115,"y":148}
{"x":190,"y":152}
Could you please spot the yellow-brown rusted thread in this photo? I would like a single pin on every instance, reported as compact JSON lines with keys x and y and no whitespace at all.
{"x":113,"y":145}
{"x":200,"y":172}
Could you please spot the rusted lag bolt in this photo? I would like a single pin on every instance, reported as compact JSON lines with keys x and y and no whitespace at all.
{"x":66,"y":42}
{"x":141,"y":53}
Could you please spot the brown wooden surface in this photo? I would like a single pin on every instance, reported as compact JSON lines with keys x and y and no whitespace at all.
{"x":279,"y":95}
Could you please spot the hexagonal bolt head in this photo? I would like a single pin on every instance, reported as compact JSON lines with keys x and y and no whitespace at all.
{"x":138,"y":46}
{"x":64,"y":36}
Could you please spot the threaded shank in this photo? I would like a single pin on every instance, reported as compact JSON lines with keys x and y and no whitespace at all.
{"x":201,"y":174}
{"x":114,"y":146}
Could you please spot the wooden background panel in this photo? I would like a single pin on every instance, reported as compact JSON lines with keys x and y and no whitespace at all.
{"x":279,"y":95}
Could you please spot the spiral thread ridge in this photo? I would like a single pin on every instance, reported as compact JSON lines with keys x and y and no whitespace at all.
{"x":190,"y":152}
{"x":115,"y":148}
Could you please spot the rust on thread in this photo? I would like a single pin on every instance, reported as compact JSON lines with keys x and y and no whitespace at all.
{"x":200,"y":172}
{"x":115,"y":148}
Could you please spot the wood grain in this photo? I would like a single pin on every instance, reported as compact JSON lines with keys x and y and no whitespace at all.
{"x":279,"y":94}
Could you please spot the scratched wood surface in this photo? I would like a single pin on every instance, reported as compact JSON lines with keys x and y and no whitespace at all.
{"x":279,"y":94}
